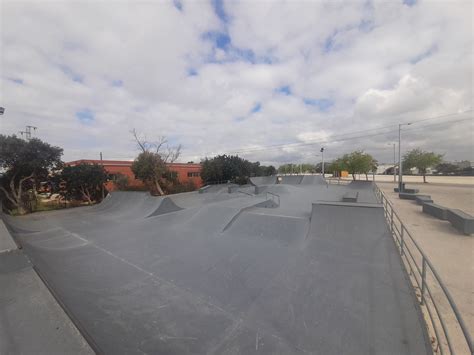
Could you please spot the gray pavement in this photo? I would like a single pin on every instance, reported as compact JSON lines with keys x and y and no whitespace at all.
{"x":224,"y":275}
{"x":31,"y":321}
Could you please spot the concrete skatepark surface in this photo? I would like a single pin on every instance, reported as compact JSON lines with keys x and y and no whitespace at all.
{"x":223,"y":274}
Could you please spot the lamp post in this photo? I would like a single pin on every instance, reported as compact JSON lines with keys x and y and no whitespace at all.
{"x":400,"y":169}
{"x":322,"y":159}
{"x":394,"y":163}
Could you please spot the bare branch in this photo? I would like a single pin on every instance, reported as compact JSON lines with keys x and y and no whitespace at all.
{"x":173,"y":154}
{"x":141,"y":143}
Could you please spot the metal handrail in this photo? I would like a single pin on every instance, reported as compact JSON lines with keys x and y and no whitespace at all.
{"x":273,"y":195}
{"x":401,"y":236}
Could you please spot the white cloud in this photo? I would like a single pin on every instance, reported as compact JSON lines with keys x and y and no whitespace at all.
{"x":151,"y":66}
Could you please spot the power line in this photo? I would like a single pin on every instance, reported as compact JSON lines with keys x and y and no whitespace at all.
{"x":334,"y":138}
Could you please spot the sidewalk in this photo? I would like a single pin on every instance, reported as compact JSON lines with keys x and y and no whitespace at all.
{"x":451,"y":252}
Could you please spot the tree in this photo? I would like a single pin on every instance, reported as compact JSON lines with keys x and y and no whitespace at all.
{"x":447,"y":169}
{"x":268,"y":170}
{"x":121,"y":181}
{"x":84,"y":181}
{"x":151,"y":164}
{"x":356,"y":162}
{"x":421,"y":160}
{"x":223,"y":168}
{"x":25,"y":162}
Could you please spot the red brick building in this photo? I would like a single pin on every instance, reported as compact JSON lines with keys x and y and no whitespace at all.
{"x":185,"y":171}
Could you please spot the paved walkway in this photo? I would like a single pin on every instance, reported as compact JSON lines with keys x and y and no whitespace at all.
{"x":451,"y":252}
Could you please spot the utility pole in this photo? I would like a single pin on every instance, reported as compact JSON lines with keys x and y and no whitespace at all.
{"x":394,"y":162}
{"x":27,"y":132}
{"x":322,"y":158}
{"x":400,"y":169}
{"x":102,"y":164}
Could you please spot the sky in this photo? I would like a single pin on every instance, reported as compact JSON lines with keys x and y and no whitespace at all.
{"x":272,"y":81}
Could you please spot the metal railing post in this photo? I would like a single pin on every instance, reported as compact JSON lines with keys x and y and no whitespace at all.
{"x":391,"y":219}
{"x":402,"y":234}
{"x":423,"y":279}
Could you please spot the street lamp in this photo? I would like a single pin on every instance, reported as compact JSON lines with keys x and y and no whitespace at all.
{"x":400,"y":169}
{"x":394,"y":163}
{"x":322,"y":158}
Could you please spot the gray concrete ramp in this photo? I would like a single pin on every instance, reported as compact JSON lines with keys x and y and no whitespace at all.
{"x":166,"y":206}
{"x":360,"y":267}
{"x":263,"y":180}
{"x":313,"y":180}
{"x":293,"y":278}
{"x":290,"y":179}
{"x":361,"y":185}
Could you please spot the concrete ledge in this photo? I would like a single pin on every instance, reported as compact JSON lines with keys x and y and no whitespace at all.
{"x":435,"y":210}
{"x":408,"y":191}
{"x":350,"y":196}
{"x":348,"y":204}
{"x":422,"y":199}
{"x":460,"y":220}
{"x":407,"y":196}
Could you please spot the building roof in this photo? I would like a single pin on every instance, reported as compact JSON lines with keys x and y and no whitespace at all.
{"x":124,"y":163}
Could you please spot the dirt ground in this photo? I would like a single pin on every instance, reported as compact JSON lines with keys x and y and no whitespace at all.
{"x":450,"y":251}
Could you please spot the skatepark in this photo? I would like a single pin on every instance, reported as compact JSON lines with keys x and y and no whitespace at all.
{"x":281,"y":266}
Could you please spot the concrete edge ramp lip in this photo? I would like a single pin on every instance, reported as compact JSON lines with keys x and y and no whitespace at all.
{"x":167,"y":205}
{"x":7,"y":242}
{"x":243,"y":209}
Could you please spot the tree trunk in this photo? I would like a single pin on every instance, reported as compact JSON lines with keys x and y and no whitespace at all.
{"x":366,"y":177}
{"x":424,"y":178}
{"x":86,"y":194}
{"x":14,"y":196}
{"x":158,"y":187}
{"x":353,"y":176}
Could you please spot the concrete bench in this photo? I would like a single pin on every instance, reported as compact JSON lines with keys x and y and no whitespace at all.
{"x":460,"y":220}
{"x":407,"y":196}
{"x":422,"y":199}
{"x":350,"y":196}
{"x":435,"y":210}
{"x":409,"y":191}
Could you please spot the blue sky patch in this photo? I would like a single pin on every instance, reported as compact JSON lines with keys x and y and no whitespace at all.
{"x":256,"y":108}
{"x":220,"y":39}
{"x":85,"y":116}
{"x":285,"y":90}
{"x":71,"y":74}
{"x":409,"y":2}
{"x":426,"y":54}
{"x":16,"y":80}
{"x":192,"y":72}
{"x":178,"y":5}
{"x":117,"y":83}
{"x":218,"y":6}
{"x":322,"y":104}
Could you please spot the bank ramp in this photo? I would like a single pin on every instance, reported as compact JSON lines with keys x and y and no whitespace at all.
{"x":313,"y":180}
{"x":263,"y":180}
{"x":360,"y":267}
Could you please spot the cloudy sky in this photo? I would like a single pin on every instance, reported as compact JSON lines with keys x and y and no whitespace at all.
{"x":272,"y":81}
